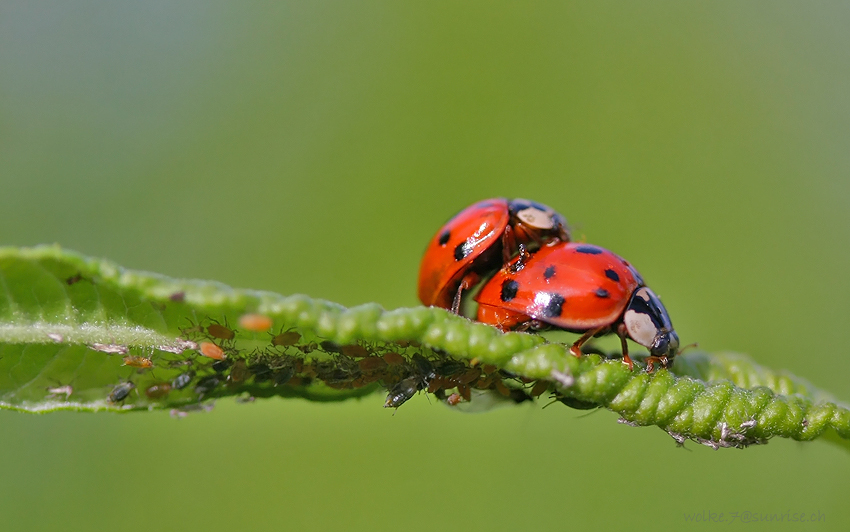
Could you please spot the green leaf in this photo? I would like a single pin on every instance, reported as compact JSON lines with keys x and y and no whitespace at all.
{"x":69,"y":324}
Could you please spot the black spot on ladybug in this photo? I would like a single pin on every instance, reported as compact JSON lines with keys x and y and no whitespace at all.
{"x":549,"y":271}
{"x":463,"y":250}
{"x":590,"y":250}
{"x":611,"y":274}
{"x":509,"y":288}
{"x":554,"y":307}
{"x":601,"y":292}
{"x":444,"y":237}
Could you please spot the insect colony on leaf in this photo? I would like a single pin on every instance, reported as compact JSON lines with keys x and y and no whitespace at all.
{"x":529,"y":277}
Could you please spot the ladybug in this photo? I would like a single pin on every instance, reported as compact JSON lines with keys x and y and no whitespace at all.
{"x":481,"y":239}
{"x":585,"y":289}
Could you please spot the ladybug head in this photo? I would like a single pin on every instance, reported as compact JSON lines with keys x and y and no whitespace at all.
{"x":537,"y":222}
{"x":648,"y":324}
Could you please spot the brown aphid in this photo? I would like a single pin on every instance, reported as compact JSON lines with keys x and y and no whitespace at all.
{"x":435,"y":384}
{"x":408,"y":343}
{"x":539,"y":388}
{"x":465,"y":391}
{"x":485,"y":382}
{"x":286,"y":339}
{"x":255,"y":322}
{"x":220,"y":331}
{"x":339,"y":385}
{"x":355,"y":351}
{"x":393,"y":359}
{"x":308,"y":370}
{"x":158,"y":390}
{"x":137,"y":361}
{"x":489,"y":368}
{"x":239,"y":372}
{"x":365,"y":379}
{"x":178,"y":297}
{"x":210,"y":350}
{"x":502,"y":389}
{"x":74,"y":279}
{"x":371,"y":363}
{"x":469,"y":375}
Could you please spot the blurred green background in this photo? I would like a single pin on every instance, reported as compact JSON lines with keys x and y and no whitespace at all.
{"x":315,"y":147}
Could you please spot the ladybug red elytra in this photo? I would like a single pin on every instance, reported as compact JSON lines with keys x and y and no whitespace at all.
{"x":481,"y":239}
{"x":581,"y":288}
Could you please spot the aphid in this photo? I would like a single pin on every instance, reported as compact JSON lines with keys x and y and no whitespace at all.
{"x":220,"y":331}
{"x":262,"y":372}
{"x":539,"y":388}
{"x":181,"y":381}
{"x":453,"y":399}
{"x":408,"y":343}
{"x":178,"y":297}
{"x":210,"y":350}
{"x":255,"y":322}
{"x":137,"y":361}
{"x":120,"y":392}
{"x":330,"y":347}
{"x":355,"y":351}
{"x":207,"y":384}
{"x":286,"y":339}
{"x":502,"y":389}
{"x":110,"y":349}
{"x":371,"y":363}
{"x":74,"y":279}
{"x":283,"y":376}
{"x":239,"y":372}
{"x":66,"y":390}
{"x":192,"y":328}
{"x":469,"y":375}
{"x":158,"y":391}
{"x":393,"y":359}
{"x":220,"y":366}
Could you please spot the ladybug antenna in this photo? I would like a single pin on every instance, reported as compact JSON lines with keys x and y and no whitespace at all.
{"x":682,"y":349}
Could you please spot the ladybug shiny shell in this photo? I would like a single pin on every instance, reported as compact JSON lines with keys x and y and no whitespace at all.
{"x":580,"y":288}
{"x":481,"y":239}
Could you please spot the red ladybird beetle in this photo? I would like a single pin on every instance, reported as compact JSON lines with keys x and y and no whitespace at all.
{"x":583,"y":289}
{"x":481,"y":239}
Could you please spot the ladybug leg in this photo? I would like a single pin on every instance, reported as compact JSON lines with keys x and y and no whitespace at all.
{"x":576,"y":347}
{"x":509,"y":245}
{"x":650,"y":363}
{"x":465,"y":284}
{"x":626,"y":358}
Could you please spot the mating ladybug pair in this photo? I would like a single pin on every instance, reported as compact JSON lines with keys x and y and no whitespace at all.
{"x":539,"y":279}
